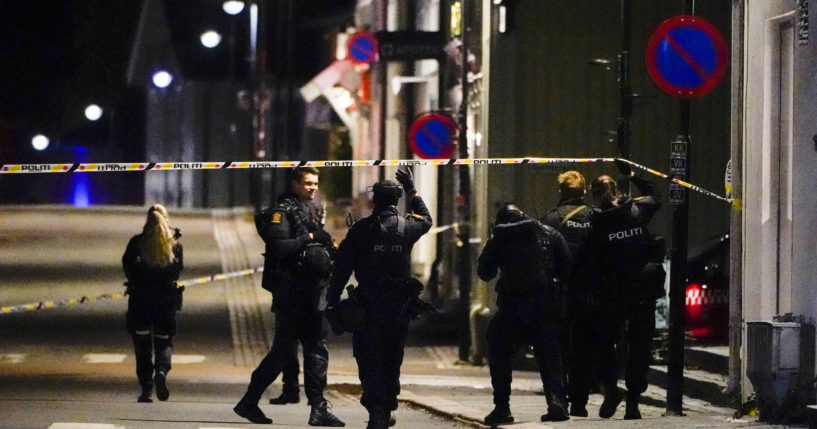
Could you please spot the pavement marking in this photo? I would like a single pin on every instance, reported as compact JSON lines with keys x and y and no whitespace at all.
{"x":183,"y":359}
{"x":12,"y":357}
{"x":84,"y":426}
{"x":103,"y":358}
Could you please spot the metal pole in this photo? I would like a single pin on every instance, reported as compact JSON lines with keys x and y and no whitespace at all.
{"x":465,"y":209}
{"x":677,"y":291}
{"x":625,"y":93}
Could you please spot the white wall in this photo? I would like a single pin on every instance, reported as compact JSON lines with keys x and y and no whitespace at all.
{"x":765,"y":132}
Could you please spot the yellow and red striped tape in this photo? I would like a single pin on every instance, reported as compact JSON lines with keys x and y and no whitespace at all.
{"x":228,"y":165}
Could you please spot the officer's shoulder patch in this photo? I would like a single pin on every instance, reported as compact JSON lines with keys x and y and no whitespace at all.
{"x":276,"y":217}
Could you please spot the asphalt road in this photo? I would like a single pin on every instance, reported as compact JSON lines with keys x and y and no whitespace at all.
{"x":72,"y":365}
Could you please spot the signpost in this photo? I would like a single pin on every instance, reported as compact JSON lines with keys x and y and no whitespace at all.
{"x":686,"y":58}
{"x":433,"y":136}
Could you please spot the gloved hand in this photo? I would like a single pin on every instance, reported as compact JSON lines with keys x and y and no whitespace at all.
{"x":321,"y":236}
{"x":406,"y":179}
{"x":623,"y":168}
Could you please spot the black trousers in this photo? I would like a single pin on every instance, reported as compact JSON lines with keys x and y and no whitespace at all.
{"x":310,"y":329}
{"x":579,"y":352}
{"x":152,"y":324}
{"x":514,"y":325}
{"x":290,"y":376}
{"x":378,"y":350}
{"x":639,"y":318}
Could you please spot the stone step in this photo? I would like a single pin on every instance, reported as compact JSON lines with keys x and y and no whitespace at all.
{"x":699,"y":384}
{"x":713,"y":359}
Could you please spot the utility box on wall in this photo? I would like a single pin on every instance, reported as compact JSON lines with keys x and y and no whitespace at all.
{"x":773,"y":364}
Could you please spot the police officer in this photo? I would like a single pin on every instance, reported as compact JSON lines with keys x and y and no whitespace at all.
{"x":528,"y":254}
{"x":378,"y":250}
{"x":571,"y":217}
{"x":296,"y":270}
{"x":621,"y":243}
{"x":152,"y":263}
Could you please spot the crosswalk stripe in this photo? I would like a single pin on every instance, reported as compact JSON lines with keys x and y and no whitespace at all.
{"x":84,"y":426}
{"x":103,"y":358}
{"x":96,"y":358}
{"x":183,"y":359}
{"x":12,"y":357}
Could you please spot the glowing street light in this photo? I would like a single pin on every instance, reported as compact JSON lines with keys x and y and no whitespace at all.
{"x":233,"y":7}
{"x":40,"y":142}
{"x":162,"y":79}
{"x":93,"y":112}
{"x":210,"y":39}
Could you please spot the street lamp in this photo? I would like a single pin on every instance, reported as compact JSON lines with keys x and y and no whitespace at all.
{"x":93,"y":112}
{"x":233,"y":7}
{"x":210,"y":39}
{"x":162,"y":79}
{"x":40,"y":142}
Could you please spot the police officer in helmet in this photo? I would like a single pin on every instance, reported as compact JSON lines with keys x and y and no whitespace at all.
{"x":296,"y":270}
{"x":378,"y":250}
{"x":626,"y":290}
{"x":528,"y":255}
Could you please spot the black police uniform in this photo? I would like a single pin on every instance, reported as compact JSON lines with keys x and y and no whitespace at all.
{"x":378,"y":250}
{"x":621,"y":246}
{"x":571,"y":217}
{"x":151,"y":317}
{"x":528,"y":254}
{"x":298,"y":297}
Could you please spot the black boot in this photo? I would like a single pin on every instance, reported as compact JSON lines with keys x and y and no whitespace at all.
{"x":286,"y":398}
{"x":250,"y":411}
{"x":378,"y":419}
{"x":321,"y":416}
{"x":160,"y":380}
{"x":147,"y":389}
{"x":631,"y":411}
{"x":612,"y":397}
{"x":392,"y":419}
{"x":500,"y":415}
{"x":557,"y":409}
{"x":578,"y":410}
{"x":555,"y":414}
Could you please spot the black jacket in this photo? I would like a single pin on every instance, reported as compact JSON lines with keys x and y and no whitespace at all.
{"x":619,"y":235}
{"x":528,"y":254}
{"x":360,"y":252}
{"x":151,"y":282}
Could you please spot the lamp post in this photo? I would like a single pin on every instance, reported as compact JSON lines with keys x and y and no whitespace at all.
{"x":232,"y":8}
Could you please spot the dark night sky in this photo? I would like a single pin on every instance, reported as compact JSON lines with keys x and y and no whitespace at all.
{"x":56,"y":56}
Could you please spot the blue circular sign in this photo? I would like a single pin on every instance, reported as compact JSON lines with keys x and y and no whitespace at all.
{"x":362,"y":47}
{"x":686,"y":57}
{"x":432,"y":136}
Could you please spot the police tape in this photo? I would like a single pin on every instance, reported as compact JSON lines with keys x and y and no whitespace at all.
{"x":230,"y":165}
{"x":42,"y":305}
{"x":679,"y":181}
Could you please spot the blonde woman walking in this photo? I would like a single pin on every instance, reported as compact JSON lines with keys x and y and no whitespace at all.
{"x":152,"y":263}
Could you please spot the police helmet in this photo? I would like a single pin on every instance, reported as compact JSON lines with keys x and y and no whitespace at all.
{"x":386,"y":192}
{"x":509,"y":213}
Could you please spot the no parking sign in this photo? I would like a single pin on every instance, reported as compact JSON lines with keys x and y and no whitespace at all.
{"x":686,"y":57}
{"x":432,"y":135}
